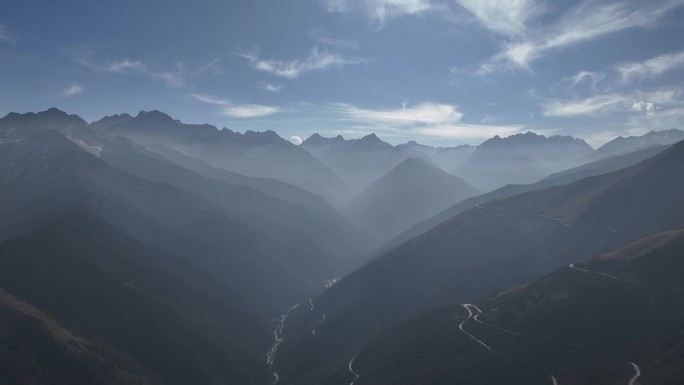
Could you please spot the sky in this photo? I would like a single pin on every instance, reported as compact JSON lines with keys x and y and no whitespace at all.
{"x":441,"y":72}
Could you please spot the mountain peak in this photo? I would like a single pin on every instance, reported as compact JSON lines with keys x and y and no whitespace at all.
{"x":371,"y":137}
{"x":155,"y":116}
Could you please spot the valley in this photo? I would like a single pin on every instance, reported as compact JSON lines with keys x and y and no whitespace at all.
{"x":230,"y":275}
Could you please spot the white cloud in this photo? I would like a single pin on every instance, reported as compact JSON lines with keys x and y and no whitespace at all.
{"x":211,"y":68}
{"x":296,"y":140}
{"x":593,"y":106}
{"x":379,"y":10}
{"x":274,"y":88}
{"x":585,"y":22}
{"x":320,"y":37}
{"x":88,"y":57}
{"x":316,"y":61}
{"x":424,"y":113}
{"x":508,"y":17}
{"x":652,"y":67}
{"x":426,"y":119}
{"x":127,"y":65}
{"x":5,"y":35}
{"x":648,"y":102}
{"x":72,"y":90}
{"x":642,"y":106}
{"x":250,"y":111}
{"x":227,"y":108}
{"x":587,"y":76}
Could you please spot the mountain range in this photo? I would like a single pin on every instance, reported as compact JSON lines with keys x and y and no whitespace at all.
{"x":143,"y":250}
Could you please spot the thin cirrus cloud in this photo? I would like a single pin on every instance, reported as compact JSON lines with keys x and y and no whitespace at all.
{"x":650,"y":68}
{"x":72,"y":90}
{"x":270,"y":87}
{"x":89,"y":58}
{"x":649,"y":102}
{"x":508,"y":17}
{"x":425,"y":119}
{"x":5,"y":36}
{"x":173,"y":79}
{"x":585,"y":22}
{"x":243,"y":111}
{"x":379,"y":10}
{"x":316,"y":61}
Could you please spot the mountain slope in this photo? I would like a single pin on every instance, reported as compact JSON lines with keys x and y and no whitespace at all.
{"x":411,"y":192}
{"x":117,"y":306}
{"x":281,"y":190}
{"x":622,"y":145}
{"x":329,"y":244}
{"x":520,"y":159}
{"x":358,"y":161}
{"x":448,"y":159}
{"x":487,"y":248}
{"x":586,"y":324}
{"x":599,"y":167}
{"x":48,"y":176}
{"x":262,"y":154}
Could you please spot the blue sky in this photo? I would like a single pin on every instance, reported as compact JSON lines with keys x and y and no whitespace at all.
{"x":442,"y":72}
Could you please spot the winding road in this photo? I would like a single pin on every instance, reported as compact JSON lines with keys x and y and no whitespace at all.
{"x":524,"y":213}
{"x":353,"y":372}
{"x":460,"y":326}
{"x":479,"y":312}
{"x":313,"y":332}
{"x":572,"y":266}
{"x":632,"y":381}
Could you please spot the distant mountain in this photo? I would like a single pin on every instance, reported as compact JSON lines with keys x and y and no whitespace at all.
{"x":358,"y":161}
{"x":520,"y":159}
{"x":411,"y":192}
{"x":281,"y":190}
{"x":326,"y":243}
{"x":621,"y":145}
{"x":486,"y":248}
{"x":595,"y":323}
{"x":260,"y":154}
{"x":47,"y":177}
{"x":448,"y":159}
{"x":15,"y":126}
{"x":598,"y":167}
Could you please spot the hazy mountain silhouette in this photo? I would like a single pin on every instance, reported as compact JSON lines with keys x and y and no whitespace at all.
{"x":15,"y":126}
{"x":520,"y":159}
{"x":411,"y":192}
{"x":358,"y":161}
{"x":262,"y":154}
{"x":599,"y":167}
{"x":47,"y":177}
{"x":448,"y":159}
{"x":622,"y":145}
{"x":486,"y":248}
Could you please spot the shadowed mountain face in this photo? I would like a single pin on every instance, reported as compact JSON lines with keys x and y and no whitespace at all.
{"x":358,"y":161}
{"x":598,"y":167}
{"x":103,"y":308}
{"x":522,"y":158}
{"x":411,"y":192}
{"x":48,"y":176}
{"x":586,"y":324}
{"x":621,"y":145}
{"x":261,"y":154}
{"x":488,"y":247}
